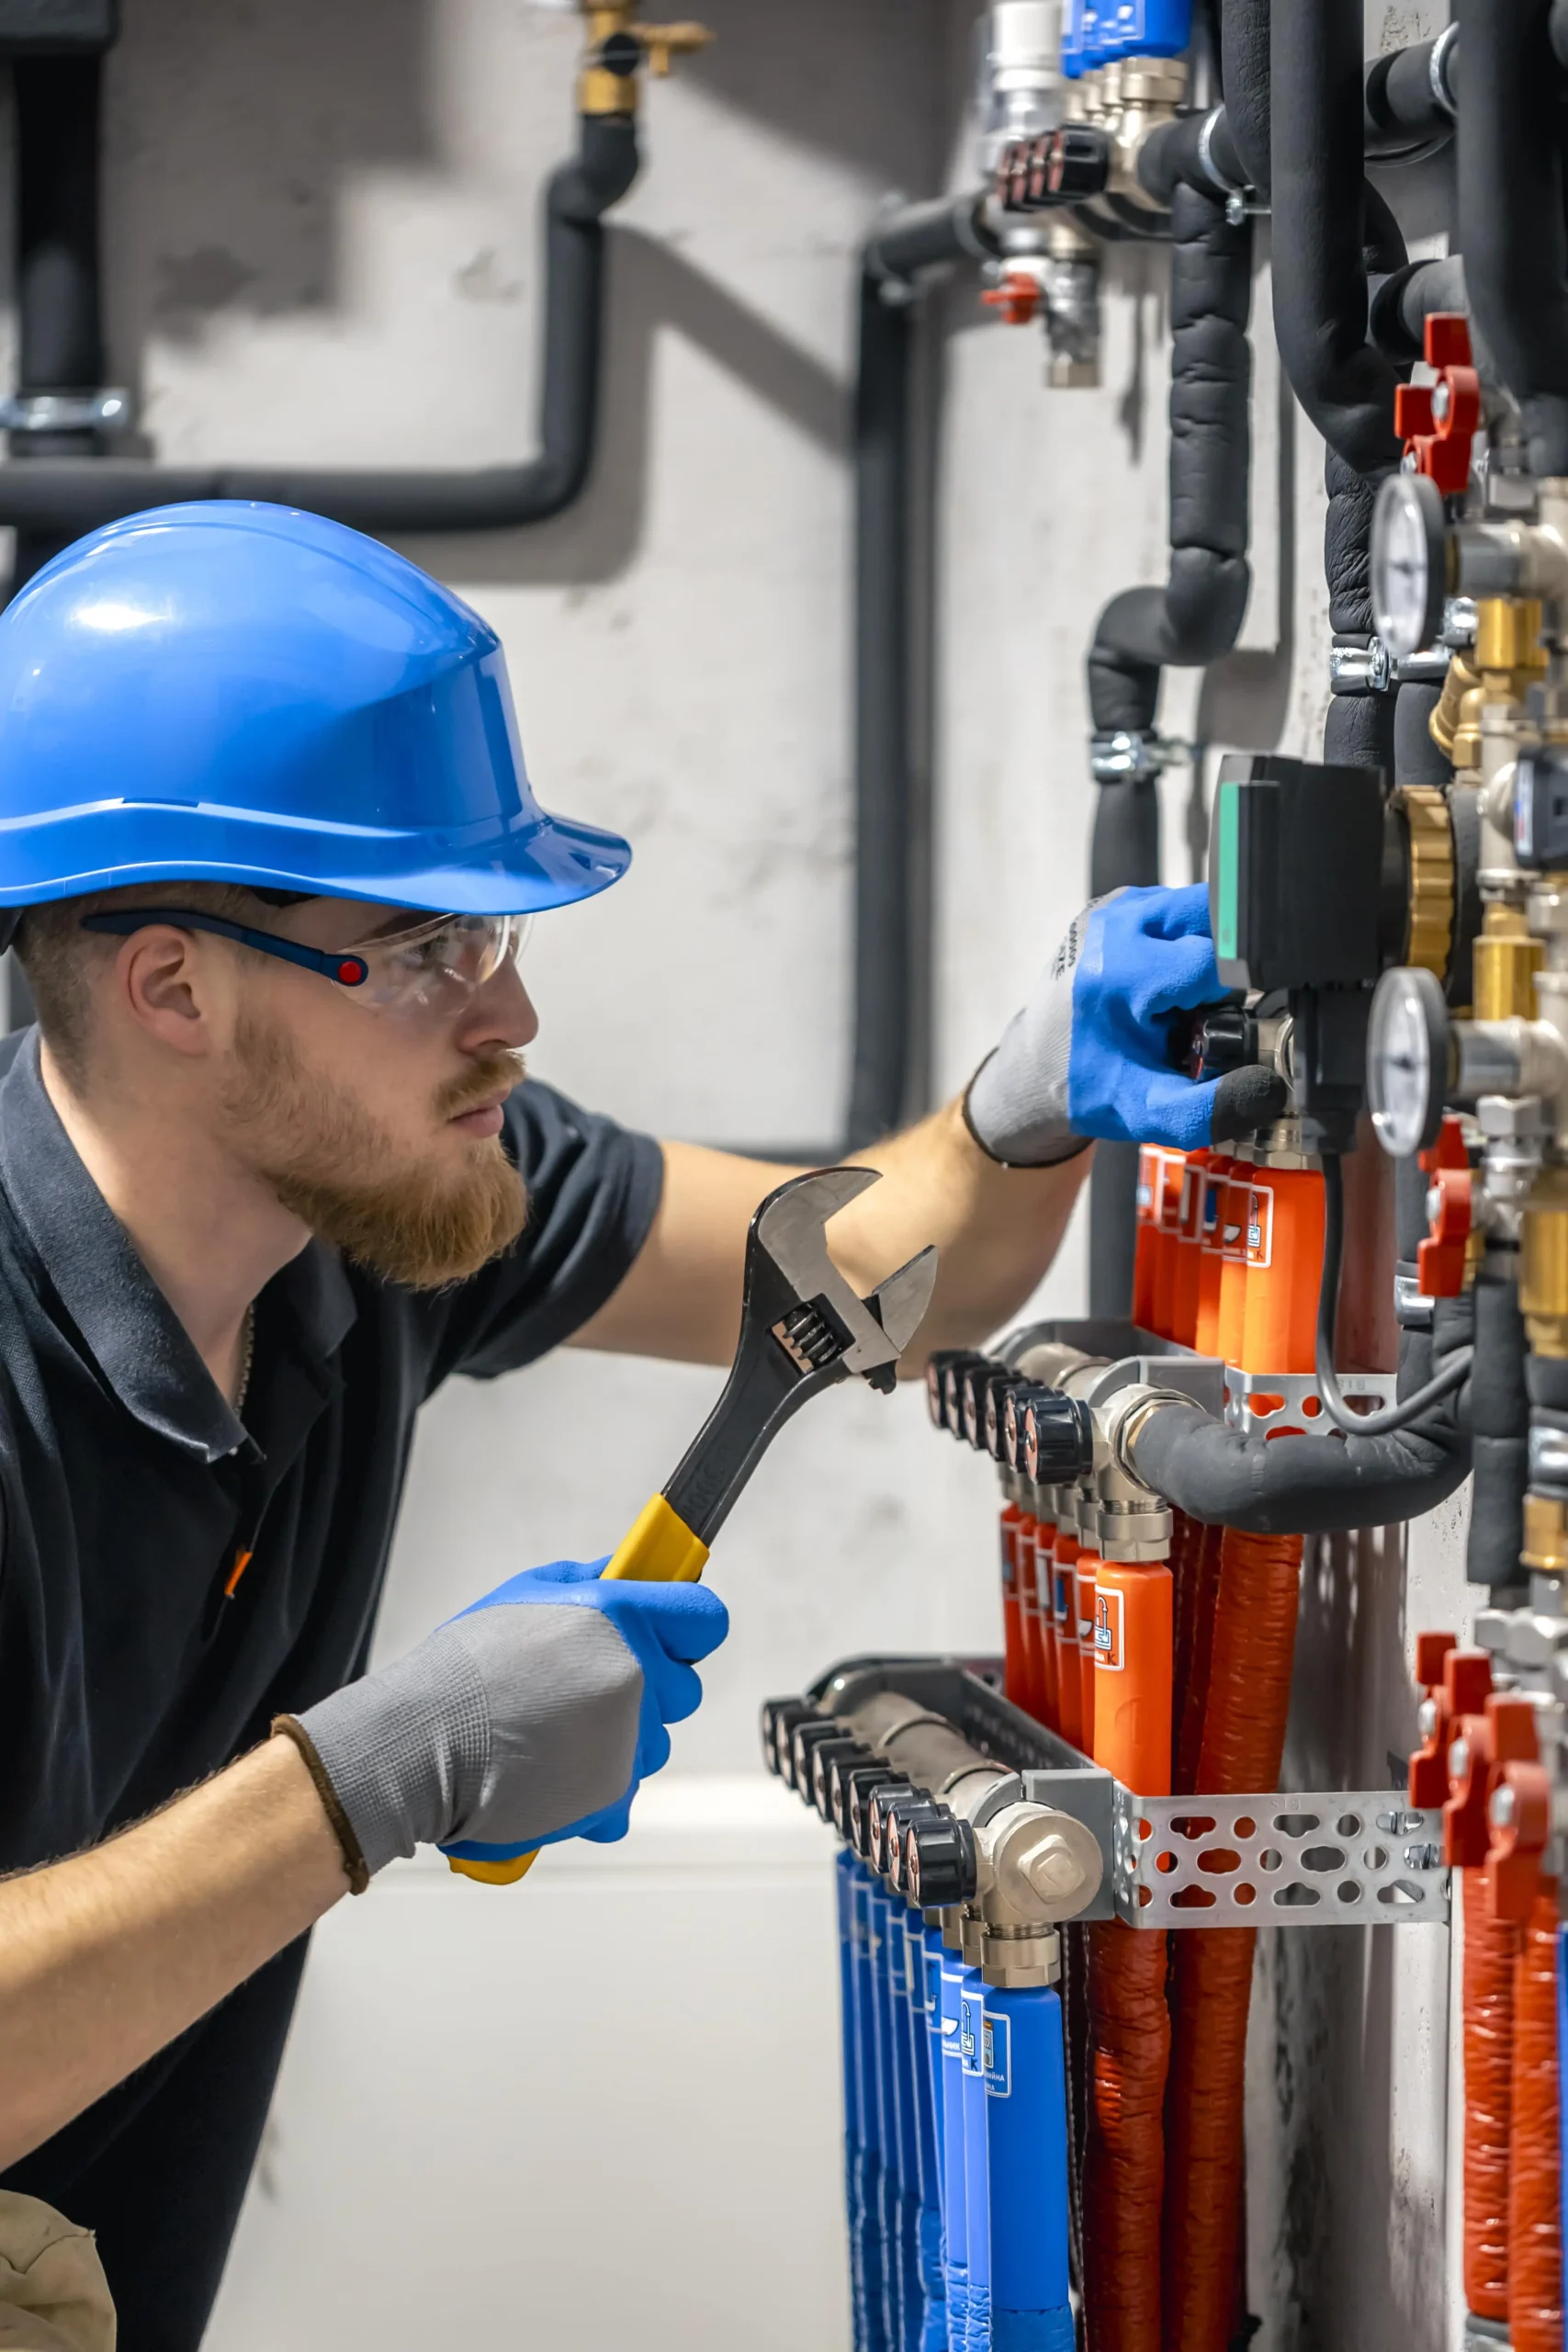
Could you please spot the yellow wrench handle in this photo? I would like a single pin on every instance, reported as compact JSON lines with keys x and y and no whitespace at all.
{"x":659,"y":1548}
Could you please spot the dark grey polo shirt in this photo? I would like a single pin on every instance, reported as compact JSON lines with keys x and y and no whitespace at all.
{"x":128,"y":1490}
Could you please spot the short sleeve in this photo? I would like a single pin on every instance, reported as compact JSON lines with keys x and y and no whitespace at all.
{"x":593,"y":1189}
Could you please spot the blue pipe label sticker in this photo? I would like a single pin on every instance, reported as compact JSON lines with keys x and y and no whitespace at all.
{"x":997,"y":2044}
{"x":915,"y":1956}
{"x":1110,"y":1656}
{"x":1062,"y":1606}
{"x":1009,"y":1565}
{"x":933,"y":1986}
{"x":949,"y":2039}
{"x":971,"y":2033}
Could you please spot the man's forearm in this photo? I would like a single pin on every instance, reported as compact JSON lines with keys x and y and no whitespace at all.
{"x":997,"y":1228}
{"x":107,"y":1957}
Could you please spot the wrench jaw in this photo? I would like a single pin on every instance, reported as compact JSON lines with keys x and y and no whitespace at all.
{"x":803,"y":1329}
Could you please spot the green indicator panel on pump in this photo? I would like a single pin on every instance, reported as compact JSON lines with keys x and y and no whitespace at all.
{"x":1228,"y":829}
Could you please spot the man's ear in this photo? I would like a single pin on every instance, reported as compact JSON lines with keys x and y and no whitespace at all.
{"x":179,"y":994}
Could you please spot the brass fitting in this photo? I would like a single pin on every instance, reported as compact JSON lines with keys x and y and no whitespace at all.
{"x":1431,"y":840}
{"x":1546,"y":1534}
{"x":1505,"y":960}
{"x":1507,"y":659}
{"x":600,"y":91}
{"x":1543,"y":1263}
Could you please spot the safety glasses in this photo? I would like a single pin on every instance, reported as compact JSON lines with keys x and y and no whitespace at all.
{"x":429,"y":966}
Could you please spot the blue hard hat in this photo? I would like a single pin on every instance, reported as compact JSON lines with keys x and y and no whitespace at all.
{"x":231,"y":691}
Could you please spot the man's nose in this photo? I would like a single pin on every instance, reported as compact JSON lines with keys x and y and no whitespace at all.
{"x":501,"y":1013}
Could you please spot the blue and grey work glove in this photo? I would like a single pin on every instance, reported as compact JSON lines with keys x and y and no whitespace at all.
{"x":1096,"y":1051}
{"x":533,"y":1716}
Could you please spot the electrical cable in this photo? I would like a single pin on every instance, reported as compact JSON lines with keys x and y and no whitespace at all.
{"x":1410,"y":1408}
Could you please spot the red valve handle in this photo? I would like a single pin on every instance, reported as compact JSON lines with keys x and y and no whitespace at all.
{"x":1438,"y":422}
{"x":1017,"y":298}
{"x":1439,"y":1260}
{"x":1429,"y":1762}
{"x":1519,"y":1818}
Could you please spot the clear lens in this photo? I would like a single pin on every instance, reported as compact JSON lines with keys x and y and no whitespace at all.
{"x":436,"y":965}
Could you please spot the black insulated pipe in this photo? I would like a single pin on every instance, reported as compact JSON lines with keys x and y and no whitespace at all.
{"x":1410,"y":99}
{"x":1344,"y":383}
{"x":1499,"y":1413}
{"x":1245,"y":70}
{"x":892,"y":817}
{"x":59,"y":331}
{"x":1511,"y":227}
{"x":1193,"y":619}
{"x":1313,"y":1486}
{"x":1403,"y":302}
{"x":64,"y":497}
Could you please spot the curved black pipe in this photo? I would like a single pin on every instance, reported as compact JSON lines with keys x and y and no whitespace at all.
{"x":1403,"y":302}
{"x":1344,"y":383}
{"x":1511,"y":227}
{"x":1191,"y":620}
{"x":892,"y":819}
{"x":58,"y":333}
{"x":67,"y":496}
{"x":1313,"y":1486}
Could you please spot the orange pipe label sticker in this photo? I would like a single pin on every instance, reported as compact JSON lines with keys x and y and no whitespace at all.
{"x":1110,"y":1632}
{"x":1259,"y":1243}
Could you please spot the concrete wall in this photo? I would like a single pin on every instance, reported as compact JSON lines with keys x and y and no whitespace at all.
{"x":321,"y":246}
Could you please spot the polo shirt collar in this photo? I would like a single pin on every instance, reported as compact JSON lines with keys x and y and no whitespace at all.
{"x":136,"y":1339}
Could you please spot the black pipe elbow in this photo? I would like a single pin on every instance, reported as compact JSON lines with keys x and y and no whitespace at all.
{"x":1196,"y":151}
{"x":1511,"y":227}
{"x":1311,"y":1486}
{"x":72,"y":495}
{"x":1320,"y":277}
{"x":1403,"y":302}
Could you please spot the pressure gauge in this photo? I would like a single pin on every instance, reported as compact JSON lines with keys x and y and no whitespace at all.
{"x":1407,"y":1060}
{"x":1409,"y":563}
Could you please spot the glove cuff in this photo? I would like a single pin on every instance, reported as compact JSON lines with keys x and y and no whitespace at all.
{"x":356,"y":1869}
{"x":1050,"y":1148}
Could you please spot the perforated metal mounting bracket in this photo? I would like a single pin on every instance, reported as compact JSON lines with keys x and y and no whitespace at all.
{"x":1360,"y":1858}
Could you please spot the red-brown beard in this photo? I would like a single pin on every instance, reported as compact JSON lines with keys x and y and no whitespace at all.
{"x":318,"y":1150}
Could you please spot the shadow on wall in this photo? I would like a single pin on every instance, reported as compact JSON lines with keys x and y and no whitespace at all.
{"x":651,"y":287}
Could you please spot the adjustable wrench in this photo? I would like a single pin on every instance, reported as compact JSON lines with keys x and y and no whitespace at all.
{"x":803,"y":1329}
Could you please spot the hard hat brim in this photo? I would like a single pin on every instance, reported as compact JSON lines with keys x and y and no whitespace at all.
{"x":541,"y":863}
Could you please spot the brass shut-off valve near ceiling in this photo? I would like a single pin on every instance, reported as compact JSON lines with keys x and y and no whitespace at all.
{"x":619,"y":45}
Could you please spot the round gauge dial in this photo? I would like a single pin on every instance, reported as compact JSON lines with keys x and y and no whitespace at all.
{"x":1407,"y":1060}
{"x":1409,"y":567}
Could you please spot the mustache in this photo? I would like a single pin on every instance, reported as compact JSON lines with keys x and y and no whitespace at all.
{"x":498,"y":1068}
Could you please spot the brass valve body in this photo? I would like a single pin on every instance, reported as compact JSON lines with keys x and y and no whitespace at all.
{"x":601,"y":92}
{"x":1505,"y":960}
{"x":1543,"y":1263}
{"x":1546,"y":1534}
{"x":1507,"y":659}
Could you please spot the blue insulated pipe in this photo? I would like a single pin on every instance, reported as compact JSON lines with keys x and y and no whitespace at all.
{"x":845,"y":1871}
{"x":933,"y":2337}
{"x":1026,"y":2109}
{"x":955,"y":2185}
{"x":932,"y":1938}
{"x":910,"y":2187}
{"x":977,"y":2159}
{"x":871,"y":2261}
{"x":894,"y":2288}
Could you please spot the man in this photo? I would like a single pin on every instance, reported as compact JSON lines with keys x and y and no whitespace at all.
{"x":267,"y":1176}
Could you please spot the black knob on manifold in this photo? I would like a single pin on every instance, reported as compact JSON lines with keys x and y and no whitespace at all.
{"x":974,"y":1382}
{"x":778,"y":1720}
{"x":862,"y":1798}
{"x":940,"y":1862}
{"x":1058,"y":1438}
{"x":902,"y":1815}
{"x":824,"y":1756}
{"x":852,"y":1791}
{"x":888,"y":1813}
{"x":802,"y":1740}
{"x":1002,"y":1385}
{"x":1079,"y":163}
